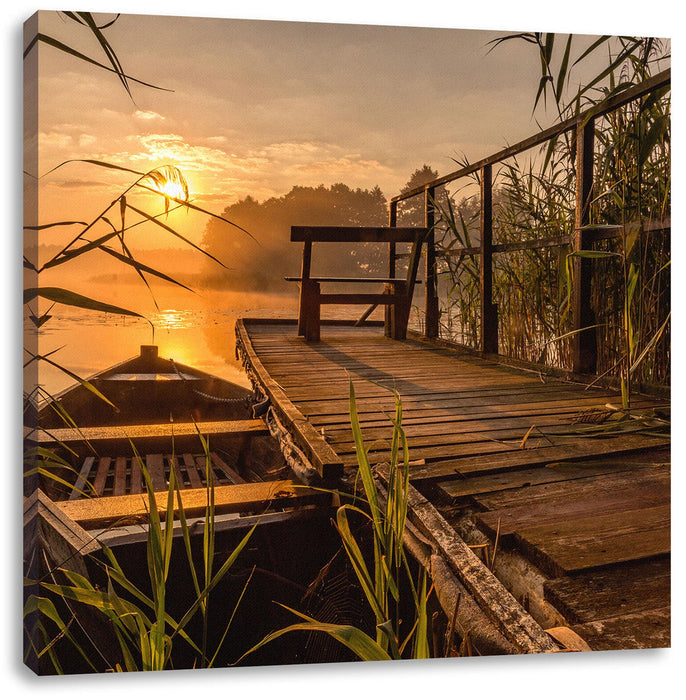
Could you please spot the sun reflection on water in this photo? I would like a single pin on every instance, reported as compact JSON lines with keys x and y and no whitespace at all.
{"x":174,"y":319}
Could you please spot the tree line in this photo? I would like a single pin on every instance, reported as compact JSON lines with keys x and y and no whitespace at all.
{"x":261,"y":264}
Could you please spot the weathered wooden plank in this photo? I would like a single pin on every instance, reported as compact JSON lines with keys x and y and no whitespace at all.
{"x":639,"y":482}
{"x":463,"y":487}
{"x":155,"y":466}
{"x":624,"y":590}
{"x":234,"y":498}
{"x":442,"y":415}
{"x":81,"y":481}
{"x":360,"y":298}
{"x":354,"y":280}
{"x":136,"y":485}
{"x":411,"y":393}
{"x":138,"y":432}
{"x":552,"y":400}
{"x":499,"y":428}
{"x":355,"y":234}
{"x":601,"y":540}
{"x":514,"y":481}
{"x":517,"y":459}
{"x":175,"y":466}
{"x":579,"y":503}
{"x":649,"y":629}
{"x":194,"y":478}
{"x":463,"y":437}
{"x":101,"y":475}
{"x":119,"y":486}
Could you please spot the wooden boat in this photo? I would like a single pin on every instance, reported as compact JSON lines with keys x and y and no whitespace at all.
{"x":148,"y":389}
{"x":170,"y":419}
{"x":165,"y":413}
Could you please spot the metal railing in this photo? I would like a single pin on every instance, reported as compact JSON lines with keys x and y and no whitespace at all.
{"x":582,"y":128}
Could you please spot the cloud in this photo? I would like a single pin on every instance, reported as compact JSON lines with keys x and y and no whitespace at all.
{"x":148,"y":116}
{"x":54,"y":139}
{"x":87,"y":140}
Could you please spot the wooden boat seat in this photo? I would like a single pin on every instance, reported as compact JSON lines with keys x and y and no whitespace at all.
{"x":127,"y":509}
{"x":397,"y":292}
{"x":120,"y":433}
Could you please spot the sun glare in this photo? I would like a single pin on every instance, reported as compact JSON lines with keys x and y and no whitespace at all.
{"x":172,"y":189}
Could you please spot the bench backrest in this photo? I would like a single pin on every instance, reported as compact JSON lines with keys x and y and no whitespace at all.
{"x":362,"y":234}
{"x":357,"y":234}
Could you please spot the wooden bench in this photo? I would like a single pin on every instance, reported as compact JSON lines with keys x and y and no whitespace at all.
{"x":397,"y":291}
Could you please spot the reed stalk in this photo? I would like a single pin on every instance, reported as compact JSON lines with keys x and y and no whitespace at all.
{"x":387,"y":578}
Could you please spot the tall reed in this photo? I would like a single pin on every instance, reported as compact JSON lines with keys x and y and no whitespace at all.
{"x":534,"y":198}
{"x":138,"y":618}
{"x":387,"y":578}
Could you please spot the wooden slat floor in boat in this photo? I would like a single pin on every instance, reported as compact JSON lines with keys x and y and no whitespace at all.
{"x":506,"y":442}
{"x":121,"y":475}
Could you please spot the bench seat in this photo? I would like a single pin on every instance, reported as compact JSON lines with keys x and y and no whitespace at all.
{"x":370,"y":280}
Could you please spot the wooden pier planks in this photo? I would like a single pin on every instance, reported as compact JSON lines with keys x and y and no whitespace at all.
{"x":466,"y":418}
{"x":463,"y":414}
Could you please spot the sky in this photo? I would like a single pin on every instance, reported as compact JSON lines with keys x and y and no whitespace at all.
{"x":256,"y":107}
{"x":208,"y":121}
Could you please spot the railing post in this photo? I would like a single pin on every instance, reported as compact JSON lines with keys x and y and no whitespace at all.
{"x":584,"y":351}
{"x":489,"y":311}
{"x":431,"y":283}
{"x":392,"y":221}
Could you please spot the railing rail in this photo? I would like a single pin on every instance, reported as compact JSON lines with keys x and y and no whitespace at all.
{"x":583,"y":235}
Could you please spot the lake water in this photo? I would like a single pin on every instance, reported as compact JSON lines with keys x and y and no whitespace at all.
{"x":194,"y":329}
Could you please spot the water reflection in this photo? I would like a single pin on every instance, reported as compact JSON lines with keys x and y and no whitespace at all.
{"x":174,"y":319}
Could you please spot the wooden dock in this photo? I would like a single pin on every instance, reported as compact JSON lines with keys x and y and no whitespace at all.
{"x":510,"y":462}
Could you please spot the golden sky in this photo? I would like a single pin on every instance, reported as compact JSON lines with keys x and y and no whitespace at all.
{"x":255,"y":107}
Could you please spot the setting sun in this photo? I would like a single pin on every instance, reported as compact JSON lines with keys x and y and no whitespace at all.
{"x":173,"y":190}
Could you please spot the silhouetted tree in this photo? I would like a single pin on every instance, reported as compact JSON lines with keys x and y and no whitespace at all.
{"x":411,"y":211}
{"x":263,"y":265}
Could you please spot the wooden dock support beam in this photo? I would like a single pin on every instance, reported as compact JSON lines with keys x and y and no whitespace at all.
{"x":498,"y":604}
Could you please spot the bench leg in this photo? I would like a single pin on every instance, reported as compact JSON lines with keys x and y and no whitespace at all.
{"x":309,"y":319}
{"x":302,"y":308}
{"x":398,"y":314}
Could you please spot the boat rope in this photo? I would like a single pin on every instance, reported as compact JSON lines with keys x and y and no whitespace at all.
{"x":210,"y":397}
